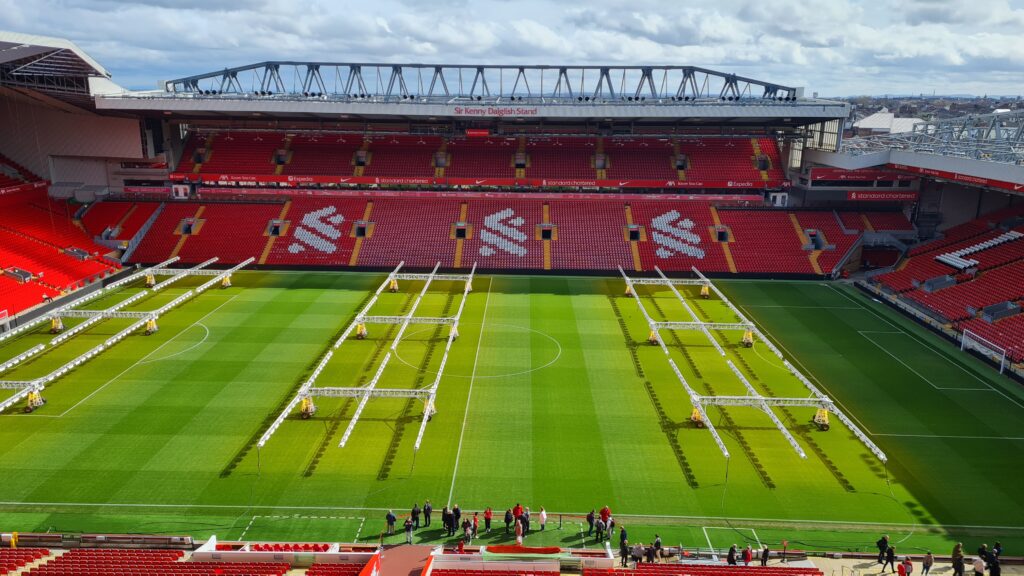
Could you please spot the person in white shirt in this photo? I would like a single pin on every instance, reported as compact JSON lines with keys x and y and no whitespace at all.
{"x":979,"y":567}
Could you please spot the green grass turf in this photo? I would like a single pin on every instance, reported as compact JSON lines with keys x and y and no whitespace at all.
{"x":551,"y":397}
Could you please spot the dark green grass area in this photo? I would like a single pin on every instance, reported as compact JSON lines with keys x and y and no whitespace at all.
{"x":551,"y":397}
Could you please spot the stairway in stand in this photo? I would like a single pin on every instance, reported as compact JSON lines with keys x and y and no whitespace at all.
{"x":404,"y":560}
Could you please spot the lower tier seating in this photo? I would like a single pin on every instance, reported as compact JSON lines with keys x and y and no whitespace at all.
{"x":1007,"y":333}
{"x":326,"y":569}
{"x":11,"y":560}
{"x":93,"y":562}
{"x":497,"y":233}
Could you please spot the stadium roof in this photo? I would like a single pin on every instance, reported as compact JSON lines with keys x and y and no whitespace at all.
{"x":475,"y":91}
{"x":886,"y":122}
{"x":53,"y":66}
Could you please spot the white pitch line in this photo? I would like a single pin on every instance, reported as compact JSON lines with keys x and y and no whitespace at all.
{"x":802,"y":307}
{"x":242,"y":535}
{"x":552,"y":513}
{"x":137,"y":363}
{"x":360,"y":529}
{"x":711,"y":547}
{"x":918,"y":374}
{"x":796,"y":360}
{"x":465,"y":415}
{"x":927,"y":345}
{"x":189,"y":349}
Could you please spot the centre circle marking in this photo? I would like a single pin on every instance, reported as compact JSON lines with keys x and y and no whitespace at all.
{"x":478,"y":377}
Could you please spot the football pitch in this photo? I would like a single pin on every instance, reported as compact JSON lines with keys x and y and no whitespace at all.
{"x":551,"y":396}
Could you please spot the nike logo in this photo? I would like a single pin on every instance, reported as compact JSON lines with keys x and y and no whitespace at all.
{"x":481,"y":181}
{"x":623,"y":183}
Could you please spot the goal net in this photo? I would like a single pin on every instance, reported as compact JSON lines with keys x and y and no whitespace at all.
{"x":973,"y":341}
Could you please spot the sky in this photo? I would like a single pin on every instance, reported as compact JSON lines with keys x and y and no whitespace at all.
{"x":833,"y":47}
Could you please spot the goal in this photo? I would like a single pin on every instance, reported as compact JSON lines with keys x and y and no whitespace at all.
{"x":973,"y":341}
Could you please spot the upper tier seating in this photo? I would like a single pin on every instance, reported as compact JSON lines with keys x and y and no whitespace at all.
{"x":104,"y":215}
{"x":489,"y":158}
{"x":924,"y":266}
{"x":243,"y":153}
{"x":879,"y":221}
{"x":158,"y":244}
{"x":322,"y":155}
{"x":561,"y":158}
{"x":14,"y":174}
{"x":642,"y":159}
{"x":403,"y":156}
{"x":721,"y":159}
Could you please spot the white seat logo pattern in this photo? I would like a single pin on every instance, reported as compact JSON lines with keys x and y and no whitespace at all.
{"x":675,"y":238}
{"x":502,"y":231}
{"x":325,"y":221}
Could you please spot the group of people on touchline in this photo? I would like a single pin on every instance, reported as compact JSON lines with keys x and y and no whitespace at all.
{"x":517,"y":519}
{"x":986,"y":559}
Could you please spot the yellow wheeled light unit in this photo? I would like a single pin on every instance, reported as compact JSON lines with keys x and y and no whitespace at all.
{"x":360,"y":331}
{"x":150,"y":280}
{"x":455,"y":331}
{"x":35,"y":400}
{"x":56,"y":325}
{"x":652,"y":338}
{"x":821,"y":419}
{"x":629,"y":289}
{"x":393,"y":285}
{"x":697,"y":418}
{"x":226,"y":282}
{"x":151,"y":326}
{"x":705,"y":291}
{"x":469,"y":285}
{"x":748,"y":339}
{"x":307,"y":408}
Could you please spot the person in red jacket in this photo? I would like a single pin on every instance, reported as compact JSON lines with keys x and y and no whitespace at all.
{"x":517,"y":510}
{"x":606,"y":513}
{"x":488,"y":514}
{"x":748,"y":555}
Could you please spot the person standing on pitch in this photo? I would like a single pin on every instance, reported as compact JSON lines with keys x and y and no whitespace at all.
{"x":624,"y":553}
{"x":416,"y":515}
{"x":599,"y":529}
{"x":488,"y":514}
{"x":748,"y":555}
{"x":509,"y":519}
{"x":927,"y":563}
{"x":994,"y":569}
{"x":456,"y":516}
{"x":476,"y":524}
{"x":427,"y":509}
{"x":408,"y":530}
{"x":543,"y":518}
{"x":390,"y":518}
{"x":657,"y":547}
{"x":519,"y":533}
{"x":730,"y":559}
{"x":590,"y":522}
{"x":764,"y":555}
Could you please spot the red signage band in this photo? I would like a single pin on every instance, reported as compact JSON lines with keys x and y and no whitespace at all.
{"x":867,"y":174}
{"x":957,"y":177}
{"x":293,"y":181}
{"x":305,"y":192}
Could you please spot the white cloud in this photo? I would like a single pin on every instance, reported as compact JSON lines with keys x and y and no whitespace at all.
{"x":829,"y":46}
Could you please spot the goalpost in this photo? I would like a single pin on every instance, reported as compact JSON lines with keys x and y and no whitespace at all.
{"x":993,"y":351}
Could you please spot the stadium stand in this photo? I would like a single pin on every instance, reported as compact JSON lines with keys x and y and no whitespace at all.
{"x":562,"y":158}
{"x":231,"y":232}
{"x":164,"y":236}
{"x":678,"y":235}
{"x":713,"y":570}
{"x":319,"y":232}
{"x":490,"y":158}
{"x":641,"y":159}
{"x":402,"y":156}
{"x":13,"y":174}
{"x":322,"y":155}
{"x":764,"y":241}
{"x":998,"y":285}
{"x":293,"y":547}
{"x":100,"y":562}
{"x":416,"y":231}
{"x":503,"y":234}
{"x":12,"y":560}
{"x":876,"y":221}
{"x":242,"y":153}
{"x":839,"y":243}
{"x":326,"y":569}
{"x":522,"y":572}
{"x":1008,"y":333}
{"x":590,"y":235}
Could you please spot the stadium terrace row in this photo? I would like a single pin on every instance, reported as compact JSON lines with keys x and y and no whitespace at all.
{"x":753,"y":160}
{"x":994,"y":245}
{"x":518,"y":233}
